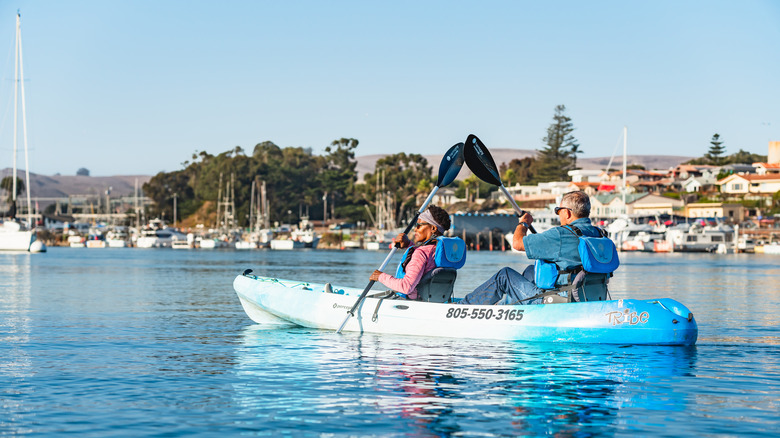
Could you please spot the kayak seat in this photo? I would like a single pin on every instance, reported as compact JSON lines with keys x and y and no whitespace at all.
{"x":586,"y":287}
{"x":593,"y":288}
{"x":436,"y":285}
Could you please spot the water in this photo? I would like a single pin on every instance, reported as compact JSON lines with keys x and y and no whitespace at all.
{"x":130,"y":342}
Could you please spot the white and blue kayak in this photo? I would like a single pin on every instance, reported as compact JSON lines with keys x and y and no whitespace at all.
{"x":638,"y":322}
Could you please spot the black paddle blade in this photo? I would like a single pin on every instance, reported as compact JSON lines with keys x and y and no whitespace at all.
{"x":480,"y":161}
{"x":450,"y":165}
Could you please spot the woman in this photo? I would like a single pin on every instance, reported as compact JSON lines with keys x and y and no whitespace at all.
{"x":431,"y":224}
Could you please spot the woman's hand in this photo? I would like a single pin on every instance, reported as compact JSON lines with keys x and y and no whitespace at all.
{"x":375,"y":275}
{"x":401,"y":241}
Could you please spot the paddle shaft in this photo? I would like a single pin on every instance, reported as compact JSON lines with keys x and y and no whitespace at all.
{"x":351,"y":312}
{"x":519,"y":211}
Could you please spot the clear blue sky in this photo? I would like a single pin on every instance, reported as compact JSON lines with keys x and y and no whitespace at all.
{"x":136,"y":87}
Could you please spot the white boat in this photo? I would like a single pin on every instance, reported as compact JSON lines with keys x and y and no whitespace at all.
{"x":275,"y":301}
{"x":14,"y":235}
{"x":287,"y":244}
{"x":306,"y":235}
{"x":213,"y":243}
{"x":371,"y":245}
{"x":698,"y":238}
{"x":769,"y":248}
{"x":157,"y":235}
{"x":351,"y":244}
{"x":76,"y":241}
{"x":117,"y":238}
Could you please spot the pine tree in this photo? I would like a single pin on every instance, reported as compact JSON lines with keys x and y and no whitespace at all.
{"x":715,"y":154}
{"x":559,"y":156}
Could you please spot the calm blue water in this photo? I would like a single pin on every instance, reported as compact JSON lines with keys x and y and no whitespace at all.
{"x":131,"y":342}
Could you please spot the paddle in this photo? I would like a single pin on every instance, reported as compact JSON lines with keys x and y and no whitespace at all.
{"x":448,"y":170}
{"x":480,"y":162}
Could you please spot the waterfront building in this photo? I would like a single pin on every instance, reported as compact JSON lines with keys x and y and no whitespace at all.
{"x":734,"y":213}
{"x":641,"y":204}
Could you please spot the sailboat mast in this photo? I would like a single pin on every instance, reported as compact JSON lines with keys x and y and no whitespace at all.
{"x":625,"y":145}
{"x":24,"y":121}
{"x":16,"y":104}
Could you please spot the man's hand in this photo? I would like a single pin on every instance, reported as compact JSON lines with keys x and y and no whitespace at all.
{"x":375,"y":275}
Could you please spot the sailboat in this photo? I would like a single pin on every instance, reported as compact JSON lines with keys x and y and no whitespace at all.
{"x":16,"y":235}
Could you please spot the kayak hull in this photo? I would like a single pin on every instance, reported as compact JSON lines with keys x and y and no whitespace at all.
{"x":636,"y":322}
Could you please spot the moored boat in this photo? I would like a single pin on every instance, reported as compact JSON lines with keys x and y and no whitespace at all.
{"x":658,"y":322}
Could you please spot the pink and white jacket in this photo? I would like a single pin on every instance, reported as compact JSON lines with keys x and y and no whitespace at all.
{"x":421,"y":262}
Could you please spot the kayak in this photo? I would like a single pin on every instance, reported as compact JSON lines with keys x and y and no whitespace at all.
{"x":661,"y":321}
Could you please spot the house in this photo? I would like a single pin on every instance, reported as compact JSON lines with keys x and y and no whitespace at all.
{"x":767,"y":168}
{"x":445,"y":196}
{"x":584,"y":175}
{"x":734,"y":213}
{"x":634,"y":176}
{"x":685,"y":171}
{"x":611,"y":206}
{"x":738,"y":168}
{"x":590,"y":188}
{"x":57,"y":222}
{"x":750,"y":184}
{"x":542,"y":192}
{"x":698,"y":184}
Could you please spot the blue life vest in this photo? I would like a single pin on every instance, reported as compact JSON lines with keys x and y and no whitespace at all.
{"x":450,"y":252}
{"x":598,"y":255}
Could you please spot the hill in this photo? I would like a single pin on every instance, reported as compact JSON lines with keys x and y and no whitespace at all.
{"x":366,"y":163}
{"x":59,"y":186}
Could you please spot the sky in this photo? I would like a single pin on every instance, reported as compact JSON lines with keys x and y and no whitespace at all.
{"x":137,"y":87}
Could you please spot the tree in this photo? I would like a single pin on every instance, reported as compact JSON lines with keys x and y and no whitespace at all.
{"x":519,"y":171}
{"x":559,"y":156}
{"x":404,"y":177}
{"x":338,"y":176}
{"x":715,"y":154}
{"x":82,"y":172}
{"x":7,"y":184}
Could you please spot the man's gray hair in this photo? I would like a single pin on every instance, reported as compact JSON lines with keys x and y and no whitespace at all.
{"x":578,"y":202}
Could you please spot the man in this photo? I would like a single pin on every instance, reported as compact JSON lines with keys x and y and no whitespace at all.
{"x":557,"y":245}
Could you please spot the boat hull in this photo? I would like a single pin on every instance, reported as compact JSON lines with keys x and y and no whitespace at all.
{"x":16,"y":240}
{"x":655,"y":322}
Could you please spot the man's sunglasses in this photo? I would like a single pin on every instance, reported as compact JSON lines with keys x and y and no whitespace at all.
{"x":558,"y":209}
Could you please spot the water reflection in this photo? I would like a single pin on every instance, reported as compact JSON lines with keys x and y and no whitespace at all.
{"x":14,"y":314}
{"x":447,"y":386}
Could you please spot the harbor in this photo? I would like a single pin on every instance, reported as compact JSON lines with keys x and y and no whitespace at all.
{"x":170,"y":337}
{"x":417,"y":219}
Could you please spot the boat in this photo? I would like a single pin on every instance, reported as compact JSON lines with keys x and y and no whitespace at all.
{"x":661,"y":321}
{"x":16,"y":235}
{"x":213,"y":242}
{"x":76,"y":241}
{"x":287,"y":244}
{"x":700,"y":238}
{"x":158,"y":235}
{"x":768,"y":248}
{"x":96,"y":241}
{"x":117,"y":238}
{"x":188,"y":243}
{"x":255,"y":239}
{"x":305,"y":233}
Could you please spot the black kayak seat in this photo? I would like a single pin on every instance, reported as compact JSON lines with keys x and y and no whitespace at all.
{"x":436,"y":286}
{"x":586,"y":287}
